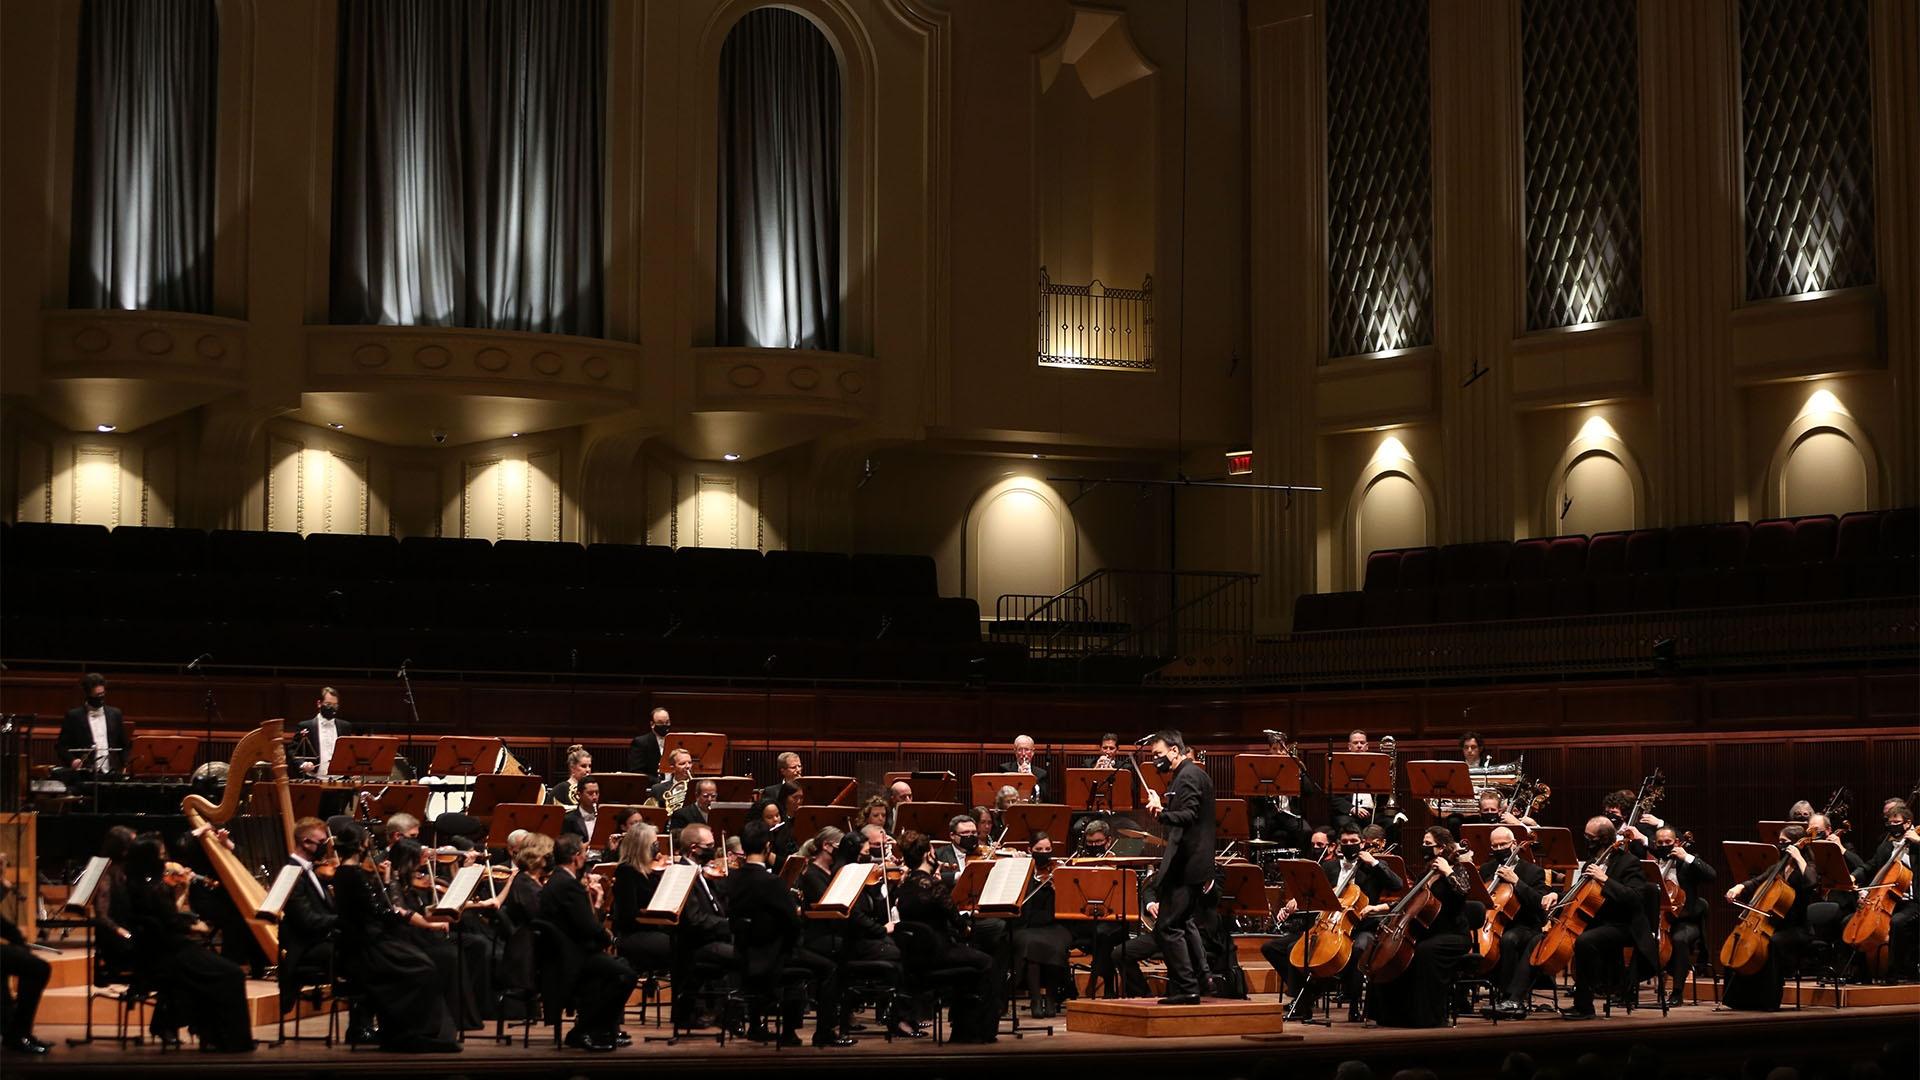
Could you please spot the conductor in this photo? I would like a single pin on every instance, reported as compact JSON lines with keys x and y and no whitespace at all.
{"x":1186,"y":867}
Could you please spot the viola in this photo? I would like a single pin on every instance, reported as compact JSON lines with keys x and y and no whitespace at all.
{"x":1745,"y":949}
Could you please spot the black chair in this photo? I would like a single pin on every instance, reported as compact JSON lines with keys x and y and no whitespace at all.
{"x":518,"y":982}
{"x":313,"y":984}
{"x":763,"y":982}
{"x":924,"y":981}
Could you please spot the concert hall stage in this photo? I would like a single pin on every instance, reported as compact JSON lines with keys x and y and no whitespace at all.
{"x":1692,"y":1040}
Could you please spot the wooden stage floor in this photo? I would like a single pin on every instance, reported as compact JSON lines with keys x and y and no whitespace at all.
{"x":1692,"y":1040}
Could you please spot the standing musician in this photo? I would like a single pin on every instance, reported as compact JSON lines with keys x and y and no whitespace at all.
{"x":1421,"y":996}
{"x":579,"y":767}
{"x":1903,"y":939}
{"x":93,"y":736}
{"x":648,"y":749}
{"x":694,"y":810}
{"x":1687,"y":928}
{"x":1513,"y":979}
{"x":647,"y":949}
{"x":1792,"y":938}
{"x":791,"y":770}
{"x":1023,"y":763}
{"x":1186,"y":865}
{"x":767,"y":914}
{"x":1620,"y":924}
{"x":585,"y":814}
{"x":1356,"y":808}
{"x":600,"y":982}
{"x":671,"y":792}
{"x":319,"y":732}
{"x":1356,"y":865}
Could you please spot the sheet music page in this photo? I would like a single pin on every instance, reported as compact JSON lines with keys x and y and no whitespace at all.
{"x":460,"y":890}
{"x":670,"y":895}
{"x":1006,"y":883}
{"x":276,"y":900}
{"x":845,"y":888}
{"x":82,"y":893}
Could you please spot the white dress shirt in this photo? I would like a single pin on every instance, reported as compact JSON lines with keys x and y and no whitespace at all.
{"x":327,"y":732}
{"x":97,"y":725}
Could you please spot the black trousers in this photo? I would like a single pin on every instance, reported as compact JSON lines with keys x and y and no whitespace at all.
{"x":1128,"y":956}
{"x":1182,"y":955}
{"x":1596,"y":960}
{"x":600,"y":992}
{"x":824,"y":976}
{"x":1514,"y":976}
{"x":1278,"y":953}
{"x":713,"y":958}
{"x":1686,"y":937}
{"x":17,"y":1010}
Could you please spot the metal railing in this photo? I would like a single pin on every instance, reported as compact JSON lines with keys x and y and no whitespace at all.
{"x":1148,"y":615}
{"x":1092,"y":326}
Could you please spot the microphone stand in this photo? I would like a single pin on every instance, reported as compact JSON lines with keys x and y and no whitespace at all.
{"x":212,"y":710}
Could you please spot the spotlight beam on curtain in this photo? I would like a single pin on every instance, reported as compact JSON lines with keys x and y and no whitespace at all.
{"x":778,"y":278}
{"x":467,"y":164}
{"x":143,"y":165}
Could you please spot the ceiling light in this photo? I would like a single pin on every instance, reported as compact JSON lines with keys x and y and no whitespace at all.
{"x":336,"y":425}
{"x":103,"y":428}
{"x":1036,"y":457}
{"x":513,"y":434}
{"x":729,"y":456}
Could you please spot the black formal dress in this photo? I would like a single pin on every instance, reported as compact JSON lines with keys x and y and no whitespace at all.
{"x":463,"y":957}
{"x":112,"y":913}
{"x":645,"y":948}
{"x":517,"y":963}
{"x":1186,"y":867}
{"x":1513,"y":978}
{"x":1762,"y":990}
{"x":399,"y":980}
{"x":192,"y":987}
{"x":1040,"y":940}
{"x":1420,"y":996}
{"x":927,"y":902}
{"x":599,"y":982}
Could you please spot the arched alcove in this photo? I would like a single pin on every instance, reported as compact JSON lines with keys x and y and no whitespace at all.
{"x":1825,"y":473}
{"x":1020,"y":538}
{"x":1598,"y":494}
{"x":1391,"y":507}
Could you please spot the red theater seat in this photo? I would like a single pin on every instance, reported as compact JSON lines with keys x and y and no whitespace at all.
{"x":1383,"y":571}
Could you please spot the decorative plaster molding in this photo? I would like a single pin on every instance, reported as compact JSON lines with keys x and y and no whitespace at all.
{"x":143,"y":344}
{"x":110,"y":455}
{"x":512,"y":362}
{"x":806,"y":381}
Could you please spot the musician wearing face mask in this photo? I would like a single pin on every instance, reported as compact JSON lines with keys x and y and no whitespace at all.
{"x":1186,"y":814}
{"x":307,"y":919}
{"x":1615,"y":808}
{"x":1278,"y":817}
{"x":1419,"y":996}
{"x":647,"y":751}
{"x":93,"y":736}
{"x":1620,"y":924}
{"x":1041,"y":941}
{"x":1352,"y":864}
{"x":1903,"y":938}
{"x":702,"y":939}
{"x":1097,"y":938}
{"x":1507,"y":864}
{"x":1792,"y":937}
{"x":318,"y":733}
{"x":965,"y":846}
{"x":1687,"y":929}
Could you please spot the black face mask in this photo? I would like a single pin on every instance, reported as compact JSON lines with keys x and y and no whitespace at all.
{"x":1595,"y":846}
{"x":1163,"y":764}
{"x":662,"y":729}
{"x":1663,"y":851}
{"x":1783,"y":844}
{"x":1042,"y":858}
{"x":94,"y":701}
{"x":1500,"y":854}
{"x":968,"y":843}
{"x":1349,"y":851}
{"x":1319,"y":852}
{"x":328,"y":712}
{"x":1895,"y":828}
{"x":700,"y":855}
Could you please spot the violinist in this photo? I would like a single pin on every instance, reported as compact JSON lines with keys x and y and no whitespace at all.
{"x":1041,"y":941}
{"x":866,"y":934}
{"x":208,"y":993}
{"x":1791,"y":938}
{"x":927,"y":900}
{"x":308,"y":919}
{"x":1513,"y":977}
{"x":1002,"y":799}
{"x":1619,"y":924}
{"x":770,"y":943}
{"x":580,"y":820}
{"x":964,"y":836}
{"x":1355,"y":865}
{"x":1420,"y":996}
{"x":1904,"y":924}
{"x":376,"y":946}
{"x":875,"y":812}
{"x":1680,"y":869}
{"x":645,"y":948}
{"x":869,"y":934}
{"x":464,"y":964}
{"x":599,"y":983}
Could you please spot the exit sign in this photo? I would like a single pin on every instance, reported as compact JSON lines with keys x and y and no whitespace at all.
{"x":1239,"y":462}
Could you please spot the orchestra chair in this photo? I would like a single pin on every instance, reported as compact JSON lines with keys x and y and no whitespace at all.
{"x":923,"y":982}
{"x":753,"y":996}
{"x":519,"y":983}
{"x":129,"y":996}
{"x":1465,"y":984}
{"x":652,"y":980}
{"x":701,"y":982}
{"x":875,"y":983}
{"x":319,"y":982}
{"x":1827,"y":956}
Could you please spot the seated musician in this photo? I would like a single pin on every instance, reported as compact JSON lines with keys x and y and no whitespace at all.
{"x":1278,"y":817}
{"x":580,"y":820}
{"x":1319,"y":844}
{"x":579,"y":767}
{"x":875,"y":811}
{"x":1615,"y":808}
{"x":1040,"y":940}
{"x":113,"y":939}
{"x":1353,"y":808}
{"x":399,"y":981}
{"x":772,"y":814}
{"x":1620,"y":924}
{"x":1687,"y":930}
{"x":464,"y":963}
{"x":17,"y":1012}
{"x":897,"y":792}
{"x":927,"y":900}
{"x":694,"y":810}
{"x":702,"y":939}
{"x":1097,"y":938}
{"x":600,"y":982}
{"x":1903,"y":939}
{"x":1008,"y":795}
{"x":318,"y":733}
{"x":1420,"y":996}
{"x":671,"y":792}
{"x":964,"y":836}
{"x":1355,"y":864}
{"x":400,"y":826}
{"x":93,"y":735}
{"x":1022,"y":762}
{"x":1205,"y":935}
{"x":308,"y":919}
{"x":645,"y":948}
{"x":1109,"y":755}
{"x":518,"y":906}
{"x":1792,"y":936}
{"x":769,"y":924}
{"x":1473,"y":751}
{"x":868,"y":931}
{"x":790,"y":768}
{"x":1513,"y":979}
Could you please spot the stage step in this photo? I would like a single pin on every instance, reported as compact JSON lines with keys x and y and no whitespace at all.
{"x":1148,"y":1019}
{"x":69,"y":967}
{"x":1810,"y":996}
{"x":68,"y":1005}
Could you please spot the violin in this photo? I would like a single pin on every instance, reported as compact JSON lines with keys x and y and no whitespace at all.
{"x":1553,"y":950}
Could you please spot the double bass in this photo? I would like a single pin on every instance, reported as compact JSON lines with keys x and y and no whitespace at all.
{"x":1871,"y":925}
{"x":1553,"y":950}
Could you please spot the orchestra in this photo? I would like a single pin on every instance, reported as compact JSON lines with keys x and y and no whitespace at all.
{"x":374,"y":897}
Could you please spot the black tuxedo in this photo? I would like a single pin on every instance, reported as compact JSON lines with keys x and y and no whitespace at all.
{"x":307,"y":923}
{"x":702,"y":941}
{"x":76,"y":738}
{"x":1040,"y":790}
{"x":688,"y":814}
{"x":1186,"y":867}
{"x":576,"y":824}
{"x":1514,"y":976}
{"x":307,"y":738}
{"x":600,"y":983}
{"x":643,"y":753}
{"x":1629,"y":903}
{"x":767,"y":925}
{"x":1687,"y":930}
{"x":1374,"y":882}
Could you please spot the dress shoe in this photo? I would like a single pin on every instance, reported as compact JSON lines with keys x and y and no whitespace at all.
{"x":903,"y":1030}
{"x":621,"y":1038}
{"x":829,"y":1038}
{"x":790,"y":1040}
{"x":577,"y":1038}
{"x":1577,"y":1013}
{"x":600,"y":1043}
{"x":1181,"y":999}
{"x":756,"y":1033}
{"x":360,"y":1036}
{"x":1509,"y":1010}
{"x":26,"y":1044}
{"x":1676,"y":998}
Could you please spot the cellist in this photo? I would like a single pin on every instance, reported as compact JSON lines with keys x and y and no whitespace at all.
{"x":1620,"y":923}
{"x":1355,"y":866}
{"x":1762,"y":989}
{"x":1905,"y":919}
{"x":1513,"y":977}
{"x":1687,"y":927}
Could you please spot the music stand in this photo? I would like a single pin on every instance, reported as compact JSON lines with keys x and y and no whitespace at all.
{"x":1100,"y":790}
{"x":534,"y":818}
{"x":1303,"y":882}
{"x":986,"y":785}
{"x":607,"y":826}
{"x":1265,"y":775}
{"x":1478,"y":837}
{"x":1095,"y":894}
{"x":162,"y":755}
{"x":738,"y":789}
{"x":1022,"y":820}
{"x":1747,"y":861}
{"x":1230,"y":821}
{"x":1358,"y":774}
{"x":810,"y":819}
{"x":1438,"y":780}
{"x":929,"y":785}
{"x":727,"y":818}
{"x":363,"y":755}
{"x":1830,"y":862}
{"x":968,"y":885}
{"x":399,"y":799}
{"x":1244,"y":890}
{"x":462,"y":755}
{"x":1553,"y":847}
{"x":1769,"y":831}
{"x":827,"y":790}
{"x":708,"y":749}
{"x":493,"y":789}
{"x":626,"y":788}
{"x":926,"y":818}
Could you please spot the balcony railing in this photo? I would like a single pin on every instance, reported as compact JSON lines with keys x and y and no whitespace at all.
{"x":1112,"y":621}
{"x":1092,"y":326}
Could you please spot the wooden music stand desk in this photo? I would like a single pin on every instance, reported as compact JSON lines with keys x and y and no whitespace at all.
{"x":828,"y":790}
{"x":968,"y":886}
{"x":1438,"y":780}
{"x":1747,"y":861}
{"x":626,"y":788}
{"x":1766,"y":831}
{"x":1267,"y":775}
{"x":1399,"y":867}
{"x":738,"y":789}
{"x":534,"y":818}
{"x":1230,"y":820}
{"x":606,"y":827}
{"x":1245,"y":891}
{"x":1358,"y":774}
{"x":363,"y":755}
{"x":1022,"y":820}
{"x":1100,"y":790}
{"x":929,"y":785}
{"x":727,"y":818}
{"x":708,"y":749}
{"x":810,"y":819}
{"x":162,"y":755}
{"x":926,"y":818}
{"x":463,"y":755}
{"x":984,"y":786}
{"x":392,"y":799}
{"x":1553,"y":847}
{"x":492,"y":789}
{"x":1095,"y":894}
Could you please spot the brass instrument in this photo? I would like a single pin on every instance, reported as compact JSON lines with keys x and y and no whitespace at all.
{"x":265,"y":743}
{"x":1505,"y":779}
{"x":1392,"y":806}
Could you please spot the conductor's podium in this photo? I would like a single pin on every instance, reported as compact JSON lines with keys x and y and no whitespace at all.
{"x":1146,"y":1018}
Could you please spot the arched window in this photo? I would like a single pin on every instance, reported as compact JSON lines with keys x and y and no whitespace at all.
{"x":778,"y":283}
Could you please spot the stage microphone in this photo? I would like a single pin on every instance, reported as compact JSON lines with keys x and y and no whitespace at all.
{"x":198,"y":660}
{"x":767,"y":664}
{"x":1270,"y":733}
{"x":402,"y":673}
{"x":1143,"y":740}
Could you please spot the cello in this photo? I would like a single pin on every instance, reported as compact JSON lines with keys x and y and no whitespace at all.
{"x":1745,"y":949}
{"x":1553,"y":951}
{"x":1506,"y":907}
{"x":1872,"y":923}
{"x":1324,"y":950}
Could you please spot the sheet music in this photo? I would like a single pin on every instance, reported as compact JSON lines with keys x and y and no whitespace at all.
{"x":460,"y":890}
{"x":82,"y":894}
{"x":670,"y":895}
{"x":1006,"y":883}
{"x":276,"y":900}
{"x":845,"y":888}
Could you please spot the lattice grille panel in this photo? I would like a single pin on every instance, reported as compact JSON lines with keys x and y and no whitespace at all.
{"x":1582,"y":119}
{"x":1806,"y":75}
{"x":1379,"y":177}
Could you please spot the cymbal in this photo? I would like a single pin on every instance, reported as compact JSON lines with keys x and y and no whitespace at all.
{"x":1261,"y":843}
{"x":1142,"y":834}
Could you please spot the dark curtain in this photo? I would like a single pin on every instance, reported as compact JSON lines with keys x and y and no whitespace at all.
{"x":778,"y":279}
{"x":467,"y":164}
{"x":143,"y":155}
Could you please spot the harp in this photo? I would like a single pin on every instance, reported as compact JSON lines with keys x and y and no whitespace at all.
{"x":262,"y":744}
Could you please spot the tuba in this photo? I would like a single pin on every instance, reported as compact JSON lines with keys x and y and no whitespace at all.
{"x":262,"y":744}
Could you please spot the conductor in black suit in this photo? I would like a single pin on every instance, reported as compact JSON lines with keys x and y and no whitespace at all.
{"x":1186,"y":866}
{"x":1023,"y":763}
{"x":94,"y":735}
{"x":600,"y":982}
{"x":646,"y":749}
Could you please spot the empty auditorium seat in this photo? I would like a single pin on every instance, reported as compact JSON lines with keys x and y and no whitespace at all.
{"x":1814,"y":538}
{"x":1727,"y":543}
{"x":893,"y":575}
{"x":44,"y":545}
{"x":1857,"y":538}
{"x":1566,"y":557}
{"x":1646,"y":551}
{"x":1528,"y":561}
{"x":1607,"y":554}
{"x":243,"y":551}
{"x":1383,"y":571}
{"x":145,"y":549}
{"x":1493,"y":600}
{"x":716,"y":570}
{"x":1900,"y":534}
{"x":1419,"y":568}
{"x":1379,"y":607}
{"x":1770,"y":543}
{"x":810,"y":573}
{"x":352,"y":558}
{"x":631,"y":565}
{"x":1453,"y":602}
{"x":545,"y":562}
